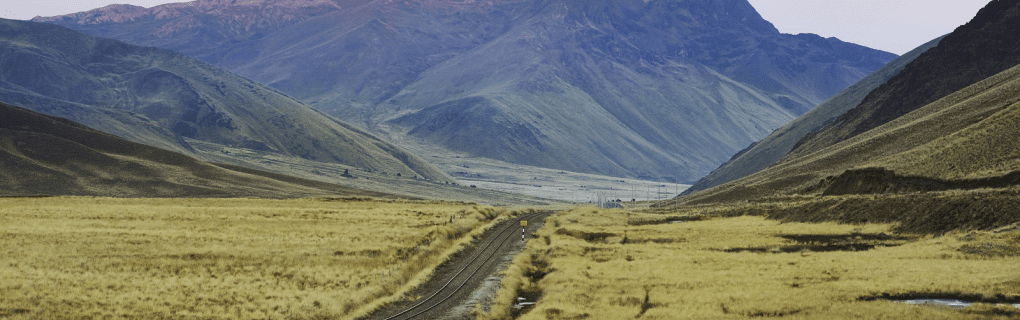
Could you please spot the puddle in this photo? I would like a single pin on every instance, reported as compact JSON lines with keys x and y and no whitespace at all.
{"x":954,"y":300}
{"x":673,"y":219}
{"x":949,"y":302}
{"x":524,"y":303}
{"x":655,"y":240}
{"x":807,"y":247}
{"x":837,"y":238}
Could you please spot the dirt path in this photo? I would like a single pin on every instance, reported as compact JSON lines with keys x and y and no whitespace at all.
{"x":456,"y":287}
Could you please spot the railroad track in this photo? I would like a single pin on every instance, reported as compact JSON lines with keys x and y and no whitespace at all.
{"x":461,"y":279}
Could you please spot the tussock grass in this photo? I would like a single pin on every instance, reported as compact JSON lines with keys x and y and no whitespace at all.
{"x":694,"y":277}
{"x":73,"y":258}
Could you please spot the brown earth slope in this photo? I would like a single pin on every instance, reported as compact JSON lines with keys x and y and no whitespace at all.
{"x":952,"y":163}
{"x":985,"y":46}
{"x":44,"y":155}
{"x":776,"y":145}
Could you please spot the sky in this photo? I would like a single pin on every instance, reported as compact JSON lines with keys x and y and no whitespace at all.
{"x":895,"y":26}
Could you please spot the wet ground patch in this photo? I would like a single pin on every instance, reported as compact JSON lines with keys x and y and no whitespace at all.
{"x":655,"y":240}
{"x":528,"y":295}
{"x":805,"y":247}
{"x":525,"y":302}
{"x":991,"y":249}
{"x":670,"y":219}
{"x":844,"y":238}
{"x":13,"y":312}
{"x":993,"y":305}
{"x":830,"y":242}
{"x":586,"y":236}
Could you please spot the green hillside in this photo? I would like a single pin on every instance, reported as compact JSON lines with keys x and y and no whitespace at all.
{"x":163,"y":98}
{"x":44,"y":155}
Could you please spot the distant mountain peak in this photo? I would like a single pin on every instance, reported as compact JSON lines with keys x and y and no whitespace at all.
{"x":655,"y":89}
{"x":114,"y":13}
{"x":253,"y":11}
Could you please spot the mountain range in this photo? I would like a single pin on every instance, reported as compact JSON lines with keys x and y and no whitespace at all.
{"x":652,"y":89}
{"x":165,"y":99}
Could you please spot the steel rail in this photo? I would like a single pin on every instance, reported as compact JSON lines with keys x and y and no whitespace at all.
{"x":467,"y":266}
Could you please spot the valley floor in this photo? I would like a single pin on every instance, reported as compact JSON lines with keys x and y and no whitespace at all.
{"x":82,"y":257}
{"x":542,"y":183}
{"x":591,"y":263}
{"x":99,"y":258}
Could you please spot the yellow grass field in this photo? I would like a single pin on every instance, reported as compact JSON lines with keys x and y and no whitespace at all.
{"x":583,"y":268}
{"x":99,"y":258}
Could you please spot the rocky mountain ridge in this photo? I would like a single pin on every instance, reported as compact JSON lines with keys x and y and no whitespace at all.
{"x":651,"y":89}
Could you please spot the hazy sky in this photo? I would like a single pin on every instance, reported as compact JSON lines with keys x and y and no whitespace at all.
{"x":896,"y":26}
{"x":891,"y":25}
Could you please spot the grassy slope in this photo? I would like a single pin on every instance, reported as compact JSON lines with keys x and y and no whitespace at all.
{"x":968,"y":134}
{"x":48,"y":155}
{"x":92,"y":80}
{"x":772,"y":148}
{"x":940,"y":153}
{"x":981,"y":48}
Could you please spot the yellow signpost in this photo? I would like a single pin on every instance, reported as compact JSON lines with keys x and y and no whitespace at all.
{"x":524,"y":223}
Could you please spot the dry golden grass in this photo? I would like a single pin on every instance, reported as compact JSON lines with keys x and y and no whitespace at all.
{"x":913,"y":212}
{"x":680,"y":270}
{"x":969,"y":134}
{"x":76,"y":258}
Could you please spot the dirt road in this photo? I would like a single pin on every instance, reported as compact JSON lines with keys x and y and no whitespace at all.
{"x":470,"y":277}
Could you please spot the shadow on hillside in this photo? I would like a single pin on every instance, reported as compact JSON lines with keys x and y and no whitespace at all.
{"x":830,"y":242}
{"x":880,"y":180}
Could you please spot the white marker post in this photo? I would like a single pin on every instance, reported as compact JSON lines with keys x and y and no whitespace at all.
{"x":524,"y":223}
